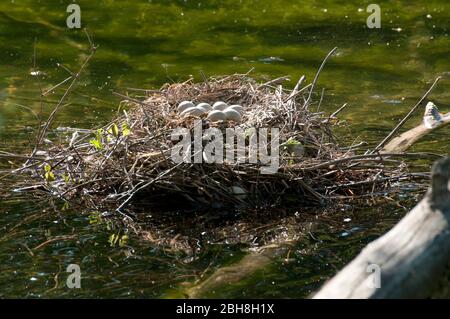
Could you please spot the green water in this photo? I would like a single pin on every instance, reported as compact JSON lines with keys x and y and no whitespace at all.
{"x":380,"y":73}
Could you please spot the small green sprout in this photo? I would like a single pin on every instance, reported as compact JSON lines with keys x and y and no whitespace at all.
{"x":123,"y":241}
{"x":65,"y":206}
{"x":113,"y":238}
{"x":66,"y":178}
{"x":126,"y":129}
{"x":116,"y":238}
{"x":97,"y":142}
{"x":114,"y":130}
{"x":95,"y":218}
{"x":49,"y":176}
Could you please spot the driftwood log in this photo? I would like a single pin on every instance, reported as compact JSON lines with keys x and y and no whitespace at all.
{"x":404,"y":141}
{"x":411,"y":258}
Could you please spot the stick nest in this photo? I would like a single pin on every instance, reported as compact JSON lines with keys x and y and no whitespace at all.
{"x":126,"y":164}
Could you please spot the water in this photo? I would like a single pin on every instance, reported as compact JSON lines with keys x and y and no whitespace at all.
{"x":143,"y":44}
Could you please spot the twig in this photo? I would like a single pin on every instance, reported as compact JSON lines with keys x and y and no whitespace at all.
{"x":357,"y":157}
{"x":60,"y":103}
{"x":297,"y":93}
{"x":65,"y":68}
{"x":276,"y":81}
{"x":54,"y":239}
{"x":204,"y":78}
{"x":56,"y":86}
{"x":321,"y":99}
{"x":41,"y":102}
{"x":140,"y":103}
{"x":338,"y":111}
{"x":317,"y":76}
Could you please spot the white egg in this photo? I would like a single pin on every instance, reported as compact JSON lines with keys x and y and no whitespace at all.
{"x":216,"y":115}
{"x":201,"y":108}
{"x":193,"y":111}
{"x":206,"y":106}
{"x":233,"y":115}
{"x":185,"y":105}
{"x":220,"y":106}
{"x":238,"y":108}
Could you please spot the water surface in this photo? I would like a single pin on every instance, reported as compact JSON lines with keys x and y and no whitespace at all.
{"x":380,"y":73}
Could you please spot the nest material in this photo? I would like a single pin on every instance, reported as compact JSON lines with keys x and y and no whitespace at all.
{"x":127,"y":163}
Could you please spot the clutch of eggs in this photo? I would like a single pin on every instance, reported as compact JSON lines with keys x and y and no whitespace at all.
{"x":230,"y":113}
{"x":220,"y":111}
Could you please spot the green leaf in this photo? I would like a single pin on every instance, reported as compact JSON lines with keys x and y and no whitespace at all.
{"x":95,"y":218}
{"x":123,"y":241}
{"x":113,"y":239}
{"x":114,"y":130}
{"x":125,"y":129}
{"x":65,"y":206}
{"x":97,"y":144}
{"x":99,"y":133}
{"x":49,"y":177}
{"x":66,"y":178}
{"x":292,"y":141}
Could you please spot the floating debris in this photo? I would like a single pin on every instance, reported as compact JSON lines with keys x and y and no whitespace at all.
{"x":271,"y":59}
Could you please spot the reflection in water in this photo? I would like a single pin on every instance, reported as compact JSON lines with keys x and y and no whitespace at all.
{"x":379,"y":73}
{"x":33,"y":265}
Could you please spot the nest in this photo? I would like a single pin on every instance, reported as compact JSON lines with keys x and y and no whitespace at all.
{"x":127,"y":164}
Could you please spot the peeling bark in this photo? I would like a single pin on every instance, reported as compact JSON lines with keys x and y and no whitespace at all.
{"x":412,"y":257}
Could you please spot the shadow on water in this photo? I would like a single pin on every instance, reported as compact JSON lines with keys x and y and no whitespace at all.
{"x":380,"y":73}
{"x":38,"y":244}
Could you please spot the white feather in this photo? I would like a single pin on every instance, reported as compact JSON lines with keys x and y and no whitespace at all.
{"x":431,"y":116}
